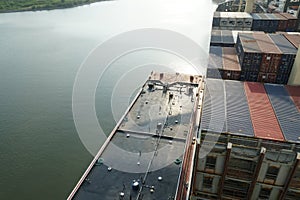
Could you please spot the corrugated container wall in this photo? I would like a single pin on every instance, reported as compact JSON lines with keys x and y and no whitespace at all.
{"x":271,"y":55}
{"x":223,"y":38}
{"x":216,"y":19}
{"x":223,"y":19}
{"x":237,"y":110}
{"x":227,"y":38}
{"x":232,"y":21}
{"x":248,"y":20}
{"x":291,"y":23}
{"x":215,"y":63}
{"x":231,"y":66}
{"x":248,"y":52}
{"x":257,"y":22}
{"x":282,"y":78}
{"x":213,"y":113}
{"x":273,"y":22}
{"x":286,"y":112}
{"x":294,"y":39}
{"x":264,"y":121}
{"x":249,"y":76}
{"x":288,"y":57}
{"x":264,"y":22}
{"x":282,"y":22}
{"x":215,"y":38}
{"x":266,"y":77}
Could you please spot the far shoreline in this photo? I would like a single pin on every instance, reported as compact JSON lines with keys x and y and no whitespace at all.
{"x":48,"y":6}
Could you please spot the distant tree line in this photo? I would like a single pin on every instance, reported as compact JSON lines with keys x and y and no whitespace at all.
{"x":32,"y":5}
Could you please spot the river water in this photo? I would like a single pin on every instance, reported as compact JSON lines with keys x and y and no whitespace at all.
{"x":41,"y":154}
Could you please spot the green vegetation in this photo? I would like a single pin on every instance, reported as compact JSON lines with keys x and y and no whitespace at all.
{"x":33,"y":5}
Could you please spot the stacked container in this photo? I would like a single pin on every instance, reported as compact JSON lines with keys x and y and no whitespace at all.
{"x":223,"y":38}
{"x":227,"y":38}
{"x":291,"y":21}
{"x":287,"y":59}
{"x":215,"y":63}
{"x":248,"y":20}
{"x":238,"y":119}
{"x":265,"y":57}
{"x":232,"y":21}
{"x":249,"y":55}
{"x":286,"y":112}
{"x":259,"y":23}
{"x":231,"y":66}
{"x":267,"y":22}
{"x":216,"y":38}
{"x":272,"y":22}
{"x":216,"y":19}
{"x":294,"y":39}
{"x":224,"y":20}
{"x":262,"y":22}
{"x":282,"y":22}
{"x":213,"y":113}
{"x":271,"y":58}
{"x":266,"y":111}
{"x":264,"y":120}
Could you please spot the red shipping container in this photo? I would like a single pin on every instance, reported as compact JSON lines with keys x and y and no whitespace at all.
{"x":265,"y":124}
{"x":271,"y":55}
{"x":294,"y":92}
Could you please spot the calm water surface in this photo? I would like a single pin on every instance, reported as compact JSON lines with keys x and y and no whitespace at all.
{"x":41,"y":155}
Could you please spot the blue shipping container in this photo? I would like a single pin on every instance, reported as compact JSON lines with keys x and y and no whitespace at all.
{"x":213,"y":113}
{"x":237,"y":110}
{"x":286,"y":112}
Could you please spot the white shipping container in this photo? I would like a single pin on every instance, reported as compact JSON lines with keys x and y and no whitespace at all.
{"x":231,"y":19}
{"x":248,"y":20}
{"x":248,"y":23}
{"x":224,"y":19}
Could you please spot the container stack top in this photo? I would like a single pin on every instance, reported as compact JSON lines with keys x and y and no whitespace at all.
{"x":230,"y":59}
{"x":270,"y":16}
{"x":263,"y":16}
{"x":283,"y":44}
{"x":266,"y":111}
{"x":287,"y":113}
{"x":238,"y":118}
{"x":293,"y":38}
{"x":216,"y":14}
{"x":249,"y":43}
{"x":246,"y":15}
{"x":215,"y":57}
{"x":227,"y":37}
{"x":280,"y":17}
{"x":264,"y":120}
{"x":213,"y":113}
{"x":266,"y":44}
{"x":288,"y":16}
{"x":256,"y":16}
{"x":216,"y":36}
